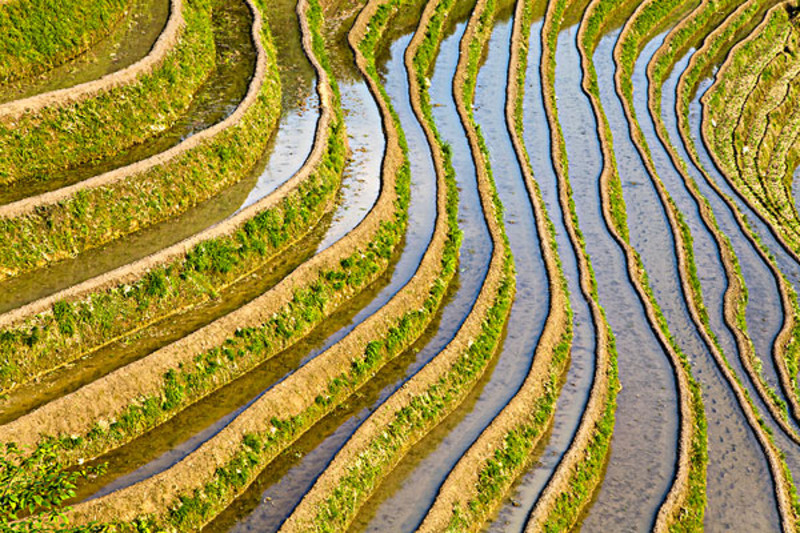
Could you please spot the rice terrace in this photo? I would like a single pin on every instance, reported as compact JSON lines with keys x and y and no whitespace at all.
{"x":399,"y":265}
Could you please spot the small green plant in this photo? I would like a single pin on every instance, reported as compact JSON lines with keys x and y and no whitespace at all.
{"x":33,"y":488}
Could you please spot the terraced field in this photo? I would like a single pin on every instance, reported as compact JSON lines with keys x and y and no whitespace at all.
{"x":399,"y":265}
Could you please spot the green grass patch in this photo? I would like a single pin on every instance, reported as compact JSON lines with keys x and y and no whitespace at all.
{"x":37,"y":146}
{"x":39,"y":35}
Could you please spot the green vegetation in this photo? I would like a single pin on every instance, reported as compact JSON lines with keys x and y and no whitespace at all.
{"x":254,"y":238}
{"x":258,"y":449}
{"x":93,"y":217}
{"x":427,"y":407}
{"x":74,"y":329}
{"x":33,"y":488}
{"x":37,"y":146}
{"x":583,"y":477}
{"x":41,"y":34}
{"x":720,"y":42}
{"x":688,"y":84}
{"x":516,"y":453}
{"x":727,"y":103}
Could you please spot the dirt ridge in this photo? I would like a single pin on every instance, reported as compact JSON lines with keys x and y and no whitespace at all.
{"x":287,"y":397}
{"x":31,"y":204}
{"x":136,"y":270}
{"x":145,"y":375}
{"x":377,"y":422}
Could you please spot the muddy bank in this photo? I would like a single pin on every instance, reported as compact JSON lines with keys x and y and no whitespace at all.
{"x":733,"y":450}
{"x":379,"y":511}
{"x":213,"y":101}
{"x":309,"y":377}
{"x":362,"y":177}
{"x":154,"y":58}
{"x":140,"y":343}
{"x":287,"y":152}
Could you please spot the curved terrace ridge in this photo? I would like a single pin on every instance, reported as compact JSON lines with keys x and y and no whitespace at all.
{"x":62,"y":97}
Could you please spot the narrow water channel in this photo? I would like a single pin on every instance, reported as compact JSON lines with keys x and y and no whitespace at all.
{"x":434,"y":456}
{"x":575,"y":392}
{"x":734,"y":453}
{"x":642,"y":463}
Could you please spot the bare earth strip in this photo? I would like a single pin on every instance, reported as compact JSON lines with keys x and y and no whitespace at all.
{"x":787,"y":294}
{"x":300,"y":392}
{"x":311,"y":513}
{"x":120,"y":388}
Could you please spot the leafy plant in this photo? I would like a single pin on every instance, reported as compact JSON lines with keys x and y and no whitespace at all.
{"x":33,"y":487}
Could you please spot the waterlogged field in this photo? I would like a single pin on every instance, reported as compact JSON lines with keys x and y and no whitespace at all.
{"x":399,"y":265}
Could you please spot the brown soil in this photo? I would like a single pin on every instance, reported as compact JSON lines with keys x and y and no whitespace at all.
{"x":295,"y":394}
{"x":733,"y":296}
{"x":790,"y":318}
{"x":31,"y":204}
{"x":782,"y":484}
